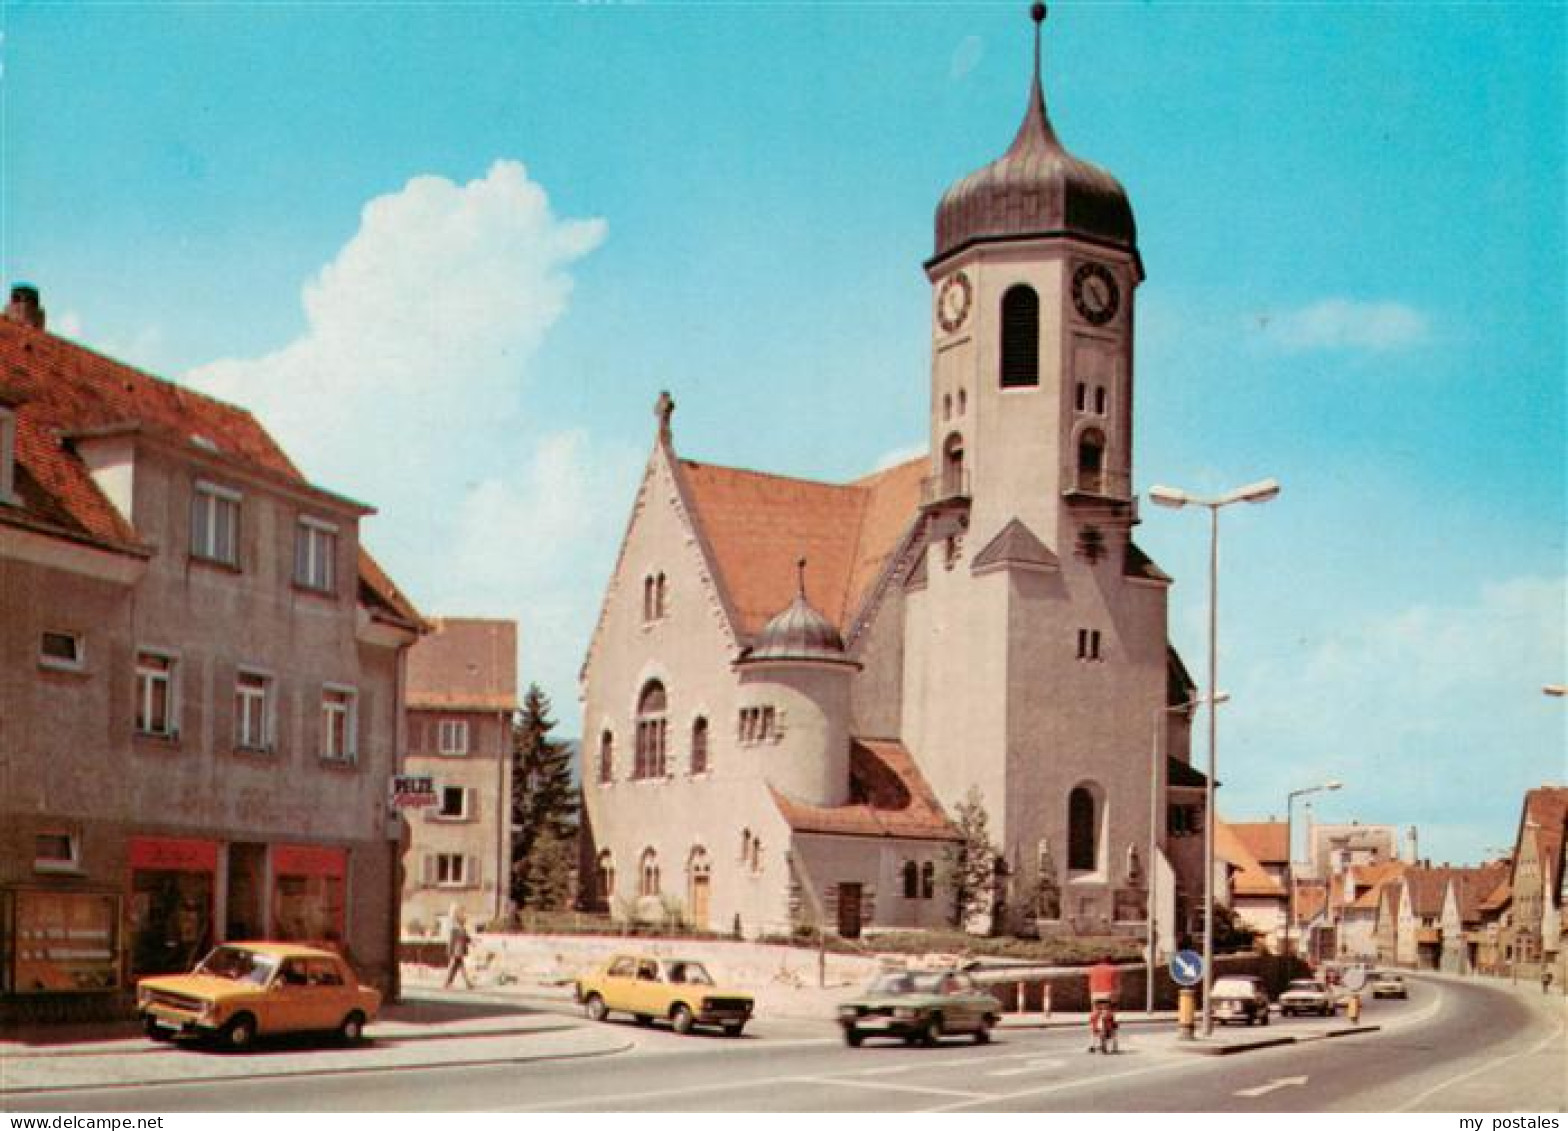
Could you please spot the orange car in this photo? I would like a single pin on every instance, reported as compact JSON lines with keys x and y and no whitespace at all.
{"x":245,"y":990}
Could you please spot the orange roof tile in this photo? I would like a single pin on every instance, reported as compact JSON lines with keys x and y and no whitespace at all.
{"x":1250,"y":878}
{"x":889,"y":798}
{"x":464,"y":664}
{"x":758,"y":526}
{"x":1266,"y":840}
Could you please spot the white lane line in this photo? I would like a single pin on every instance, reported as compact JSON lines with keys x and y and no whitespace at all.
{"x":657,"y":1094}
{"x":1003,"y":1097}
{"x":1556,"y":1035}
{"x":1032,"y":1066}
{"x":842,"y":1082}
{"x":1273,"y":1086}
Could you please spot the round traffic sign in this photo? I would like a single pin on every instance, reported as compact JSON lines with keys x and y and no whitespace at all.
{"x":1186,"y":968}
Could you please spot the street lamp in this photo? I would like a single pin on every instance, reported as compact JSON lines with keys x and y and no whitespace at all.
{"x":1290,"y":856}
{"x":1260,"y":492}
{"x":1155,"y":762}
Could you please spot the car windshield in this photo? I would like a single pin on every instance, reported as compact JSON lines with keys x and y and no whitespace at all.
{"x":1310,"y":987}
{"x":238,"y":964}
{"x":894,"y":985}
{"x":689,"y":974}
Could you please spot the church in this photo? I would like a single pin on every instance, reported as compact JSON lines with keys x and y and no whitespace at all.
{"x":794,"y":686}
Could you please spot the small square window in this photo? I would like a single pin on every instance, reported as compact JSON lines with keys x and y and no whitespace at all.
{"x":454,"y":803}
{"x":215,"y":524}
{"x":61,"y":650}
{"x":56,"y":851}
{"x":452,"y":736}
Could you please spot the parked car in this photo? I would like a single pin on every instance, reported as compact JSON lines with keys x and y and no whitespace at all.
{"x":677,"y":989}
{"x":242,"y":991}
{"x":1385,"y":983}
{"x":1240,"y":998}
{"x":1306,"y":995}
{"x":919,"y":1006}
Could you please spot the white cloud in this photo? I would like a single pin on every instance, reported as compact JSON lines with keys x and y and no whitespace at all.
{"x":1345,"y":324}
{"x":406,"y":389}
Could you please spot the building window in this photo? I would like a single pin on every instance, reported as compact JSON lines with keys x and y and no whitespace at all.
{"x":699,"y":746}
{"x":1183,"y":820}
{"x":62,"y":650}
{"x":1099,"y":400}
{"x":1091,"y":461}
{"x":954,"y":485}
{"x":647,"y":599}
{"x":606,"y":758}
{"x":449,"y":870}
{"x":648,"y":873}
{"x":454,"y":804}
{"x":315,"y":554}
{"x":655,"y":595}
{"x":963,"y":401}
{"x":1083,"y":833}
{"x":652,"y":729}
{"x":750,"y":852}
{"x":927,"y":880}
{"x":57,"y":851}
{"x":339,"y":724}
{"x":758,"y":724}
{"x":604,"y":875}
{"x":253,"y":711}
{"x":1089,"y":644}
{"x":452,"y":736}
{"x":157,"y":695}
{"x":215,"y":523}
{"x":911,"y":880}
{"x":1020,"y":338}
{"x":8,"y":457}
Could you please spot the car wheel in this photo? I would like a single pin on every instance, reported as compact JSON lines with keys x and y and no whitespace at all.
{"x":734,"y":1028}
{"x":595,"y":1008}
{"x":983,"y":1034}
{"x":932,"y":1033}
{"x":681,"y":1020}
{"x":352,"y":1029}
{"x":239,"y":1034}
{"x":853,"y":1037}
{"x":156,"y":1032}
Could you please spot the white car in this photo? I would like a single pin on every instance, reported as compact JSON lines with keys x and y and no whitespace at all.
{"x":1386,"y":984}
{"x":1306,"y":995}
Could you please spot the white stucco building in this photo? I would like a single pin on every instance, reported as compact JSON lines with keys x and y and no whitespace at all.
{"x":794,"y":684}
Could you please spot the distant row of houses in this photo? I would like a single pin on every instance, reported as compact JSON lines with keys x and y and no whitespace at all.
{"x":1356,"y":898}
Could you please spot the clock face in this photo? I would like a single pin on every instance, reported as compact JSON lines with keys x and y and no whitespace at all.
{"x":953,"y":300}
{"x":1095,"y":294}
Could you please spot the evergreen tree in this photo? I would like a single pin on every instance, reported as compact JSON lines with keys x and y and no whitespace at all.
{"x":971,"y":866}
{"x":544,"y":809}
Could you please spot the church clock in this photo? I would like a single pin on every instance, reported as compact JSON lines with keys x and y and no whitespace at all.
{"x":953,"y":301}
{"x":1095,"y":294}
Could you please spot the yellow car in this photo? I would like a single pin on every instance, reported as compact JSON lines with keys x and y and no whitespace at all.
{"x":245,"y":990}
{"x":676,"y":989}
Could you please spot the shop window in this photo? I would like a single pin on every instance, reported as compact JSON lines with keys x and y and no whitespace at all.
{"x":315,"y":554}
{"x":339,"y":724}
{"x":699,"y":746}
{"x":61,"y":941}
{"x":157,"y":694}
{"x":253,"y":711}
{"x":171,"y":920}
{"x":215,"y":523}
{"x":308,"y":902}
{"x":61,"y":650}
{"x":452,"y":737}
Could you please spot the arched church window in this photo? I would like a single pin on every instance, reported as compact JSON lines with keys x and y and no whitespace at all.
{"x":651,"y":731}
{"x":647,"y":599}
{"x":648,"y":873}
{"x":661,"y":607}
{"x":604,"y":876}
{"x":1091,"y":461}
{"x":1020,"y":337}
{"x":606,"y":758}
{"x":963,"y":401}
{"x":953,"y":467}
{"x":699,"y":746}
{"x":1082,"y":833}
{"x":947,"y":406}
{"x":911,"y":880}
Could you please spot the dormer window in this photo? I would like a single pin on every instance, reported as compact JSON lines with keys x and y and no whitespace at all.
{"x":215,"y":524}
{"x":8,"y":458}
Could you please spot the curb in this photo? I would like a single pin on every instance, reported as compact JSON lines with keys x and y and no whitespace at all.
{"x":1273,"y":1042}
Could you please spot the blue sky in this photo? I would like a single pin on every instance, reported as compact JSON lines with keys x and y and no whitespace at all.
{"x":450,"y":253}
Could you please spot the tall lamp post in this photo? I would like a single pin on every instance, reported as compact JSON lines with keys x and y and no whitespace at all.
{"x":1260,"y":492}
{"x":1155,"y":761}
{"x":1290,"y":856}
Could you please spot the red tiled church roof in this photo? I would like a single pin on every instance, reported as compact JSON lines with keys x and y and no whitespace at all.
{"x":758,"y":526}
{"x":890,"y":797}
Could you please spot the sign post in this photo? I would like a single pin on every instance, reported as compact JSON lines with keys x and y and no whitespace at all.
{"x":1186,"y":972}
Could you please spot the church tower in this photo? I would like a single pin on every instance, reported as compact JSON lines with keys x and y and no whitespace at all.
{"x":1035,"y":659}
{"x":1032,"y":315}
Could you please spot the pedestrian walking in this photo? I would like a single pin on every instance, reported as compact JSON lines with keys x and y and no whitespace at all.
{"x":457,"y":949}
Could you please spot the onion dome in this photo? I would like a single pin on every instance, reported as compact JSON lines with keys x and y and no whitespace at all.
{"x":800,"y":632}
{"x":1036,"y":188}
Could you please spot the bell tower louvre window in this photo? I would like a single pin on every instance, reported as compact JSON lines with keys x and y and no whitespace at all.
{"x":1020,"y":338}
{"x":1091,"y":461}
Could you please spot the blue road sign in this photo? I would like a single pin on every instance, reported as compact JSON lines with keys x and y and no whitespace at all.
{"x":1186,"y":968}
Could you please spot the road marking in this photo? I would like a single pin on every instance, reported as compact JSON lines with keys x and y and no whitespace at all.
{"x":1273,"y":1086}
{"x":1003,"y":1097}
{"x":840,"y":1081}
{"x":1032,"y":1066}
{"x":1555,"y":1035}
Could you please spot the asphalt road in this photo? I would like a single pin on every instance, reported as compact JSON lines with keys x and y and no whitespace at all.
{"x":1454,"y":1046}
